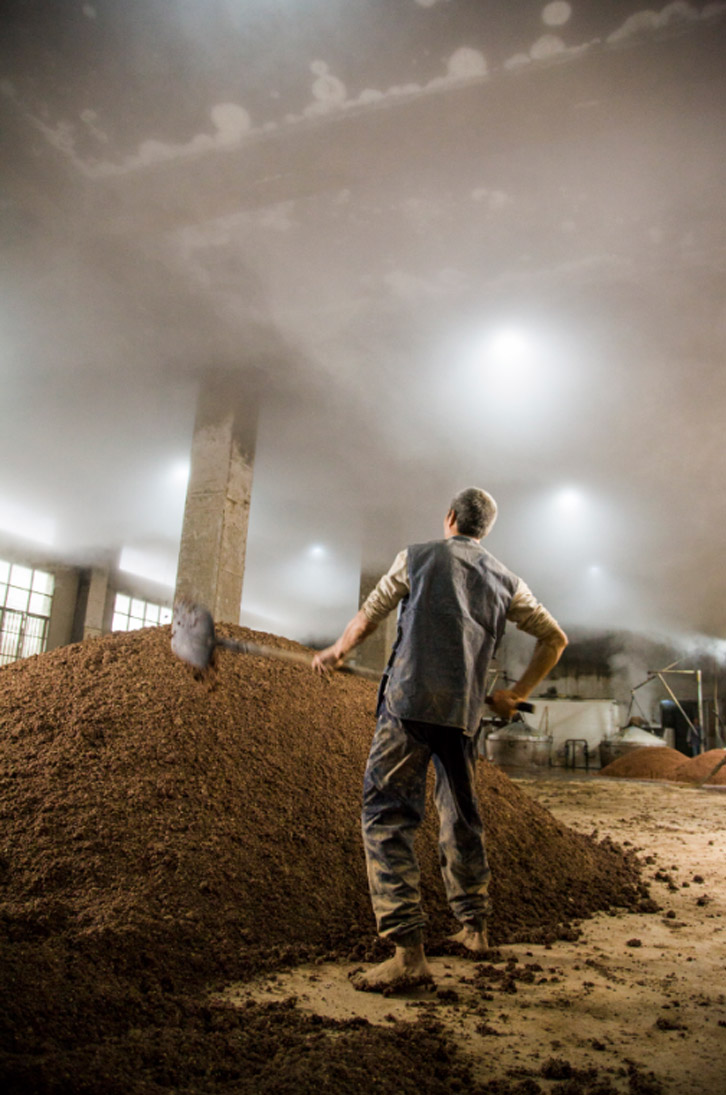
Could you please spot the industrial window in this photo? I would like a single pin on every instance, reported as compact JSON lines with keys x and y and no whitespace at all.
{"x":26,"y":595}
{"x":130,"y":613}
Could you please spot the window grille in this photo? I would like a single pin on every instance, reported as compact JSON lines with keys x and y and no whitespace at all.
{"x":26,"y":596}
{"x":131,"y":613}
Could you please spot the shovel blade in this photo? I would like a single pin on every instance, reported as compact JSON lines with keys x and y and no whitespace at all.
{"x":192,"y":634}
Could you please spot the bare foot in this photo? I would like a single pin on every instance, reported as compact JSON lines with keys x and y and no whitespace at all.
{"x":407,"y":969}
{"x":474,"y":941}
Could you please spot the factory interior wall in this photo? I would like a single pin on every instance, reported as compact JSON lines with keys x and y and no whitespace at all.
{"x":576,"y":721}
{"x":66,"y":591}
{"x":70,"y":596}
{"x":595,"y":686}
{"x":134,"y":586}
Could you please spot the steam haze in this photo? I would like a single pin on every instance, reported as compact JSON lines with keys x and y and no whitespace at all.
{"x":450,"y":243}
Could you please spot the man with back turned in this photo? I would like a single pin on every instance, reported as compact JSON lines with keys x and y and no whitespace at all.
{"x":455,"y":600}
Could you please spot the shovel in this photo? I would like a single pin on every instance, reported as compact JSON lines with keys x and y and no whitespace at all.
{"x":194,"y":641}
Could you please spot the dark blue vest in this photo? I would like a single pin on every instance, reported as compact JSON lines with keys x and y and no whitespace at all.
{"x":448,"y":629}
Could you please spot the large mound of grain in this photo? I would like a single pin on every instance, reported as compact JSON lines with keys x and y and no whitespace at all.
{"x":159,"y":832}
{"x":701,"y":768}
{"x":138,"y":799}
{"x":645,"y":763}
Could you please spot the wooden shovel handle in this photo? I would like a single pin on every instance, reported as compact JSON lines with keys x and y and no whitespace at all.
{"x":292,"y":656}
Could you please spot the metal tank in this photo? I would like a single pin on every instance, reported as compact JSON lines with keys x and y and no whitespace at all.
{"x":625,"y":741}
{"x":516,"y":745}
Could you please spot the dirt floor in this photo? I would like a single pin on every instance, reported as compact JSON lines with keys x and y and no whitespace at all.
{"x":637,"y":1003}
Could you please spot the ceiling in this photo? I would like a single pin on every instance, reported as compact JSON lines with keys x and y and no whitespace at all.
{"x":452,"y":242}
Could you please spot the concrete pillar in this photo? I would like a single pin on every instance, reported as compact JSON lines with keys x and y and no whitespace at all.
{"x":373,"y":652}
{"x":65,"y":595}
{"x":214,"y":533}
{"x":95,"y":615}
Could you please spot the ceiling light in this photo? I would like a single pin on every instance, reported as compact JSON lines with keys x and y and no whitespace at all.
{"x":569,"y":499}
{"x":509,"y":346}
{"x":179,"y":472}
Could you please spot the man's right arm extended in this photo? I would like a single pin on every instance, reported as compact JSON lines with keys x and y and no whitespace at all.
{"x":392,"y":587}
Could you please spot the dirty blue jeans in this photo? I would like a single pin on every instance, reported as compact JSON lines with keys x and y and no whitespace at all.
{"x":394,"y":798}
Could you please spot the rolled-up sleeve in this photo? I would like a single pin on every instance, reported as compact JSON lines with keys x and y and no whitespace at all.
{"x":532,"y":617}
{"x":392,"y":588}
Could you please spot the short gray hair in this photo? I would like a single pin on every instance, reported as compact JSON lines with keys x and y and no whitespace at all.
{"x":475,"y":512}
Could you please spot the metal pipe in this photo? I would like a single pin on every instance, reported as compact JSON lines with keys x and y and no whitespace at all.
{"x":687,"y":672}
{"x":656,"y":674}
{"x":648,"y":680}
{"x":673,"y":696}
{"x":668,"y":668}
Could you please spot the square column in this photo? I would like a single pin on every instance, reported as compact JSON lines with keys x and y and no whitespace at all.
{"x":373,"y":652}
{"x":94,"y":623}
{"x":216,"y":516}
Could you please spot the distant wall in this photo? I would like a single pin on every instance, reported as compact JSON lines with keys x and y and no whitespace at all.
{"x":82,"y":600}
{"x":615,"y":665}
